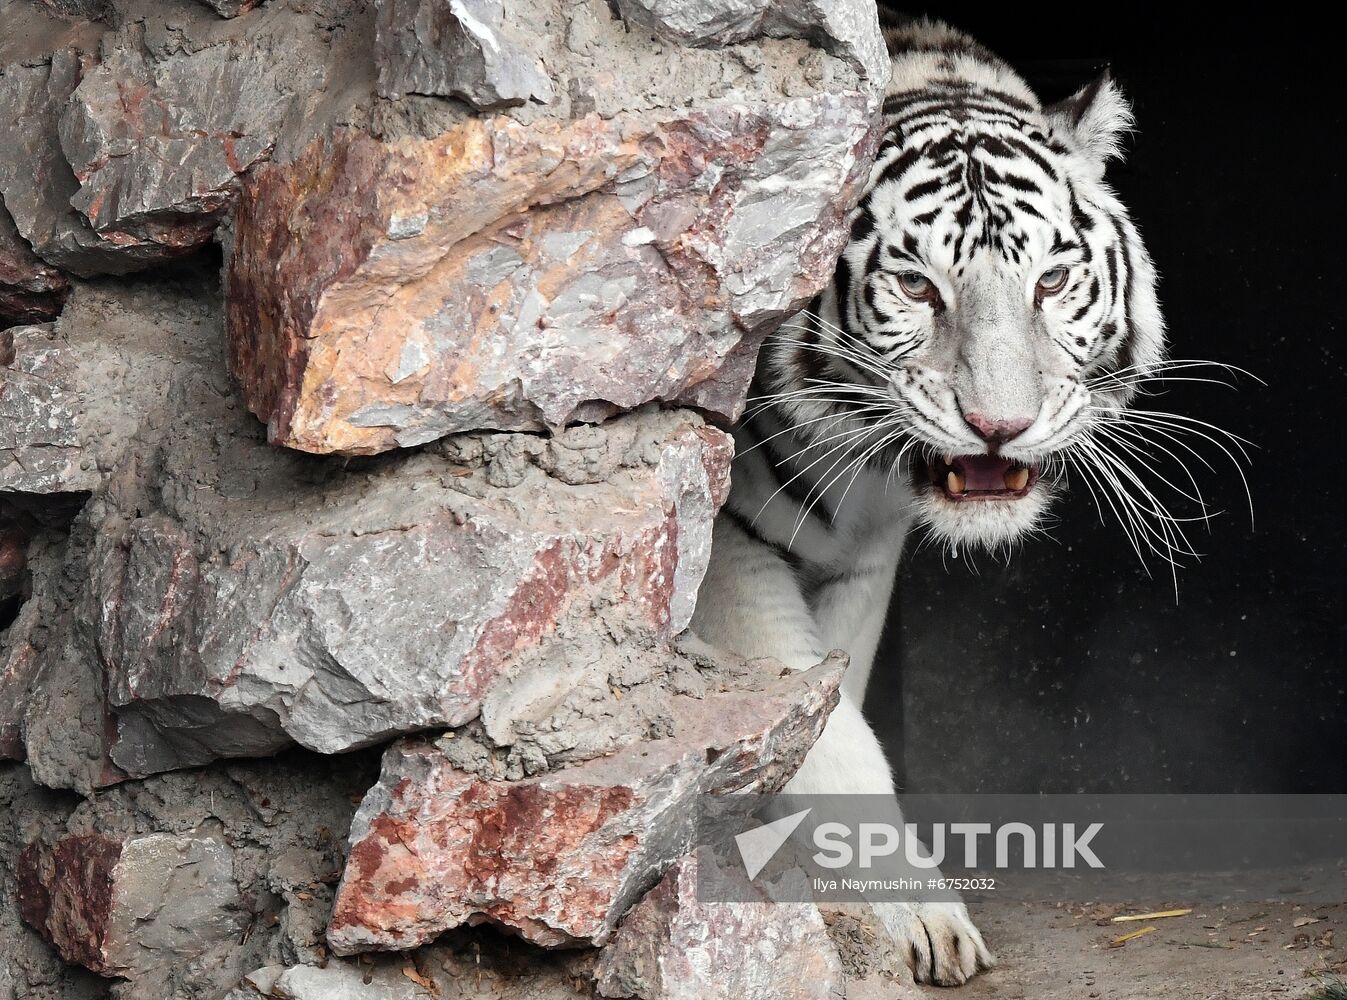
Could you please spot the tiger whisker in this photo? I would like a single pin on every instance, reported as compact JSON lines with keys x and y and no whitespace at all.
{"x":820,"y":490}
{"x":1160,"y":540}
{"x":838,"y":331}
{"x":886,"y":441}
{"x":1151,"y":369}
{"x":1168,"y":435}
{"x":834,"y":419}
{"x":831,"y":351}
{"x":1154,"y":525}
{"x":846,"y":436}
{"x":1177,"y":424}
{"x":1119,"y":437}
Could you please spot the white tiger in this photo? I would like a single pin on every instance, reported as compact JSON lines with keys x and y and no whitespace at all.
{"x":987,"y":324}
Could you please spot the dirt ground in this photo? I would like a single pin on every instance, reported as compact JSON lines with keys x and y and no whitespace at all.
{"x":1217,"y":952}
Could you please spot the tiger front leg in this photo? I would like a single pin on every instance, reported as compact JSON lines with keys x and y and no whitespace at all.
{"x":938,"y":941}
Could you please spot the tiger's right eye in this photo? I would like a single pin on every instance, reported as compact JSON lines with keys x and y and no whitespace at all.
{"x":916,"y":286}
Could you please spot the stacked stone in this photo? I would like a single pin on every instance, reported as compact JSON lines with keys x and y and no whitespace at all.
{"x":362,"y":364}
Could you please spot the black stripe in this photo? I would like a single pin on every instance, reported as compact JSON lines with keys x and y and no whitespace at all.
{"x":1127,"y":355}
{"x":1027,"y":149}
{"x":895,"y":170}
{"x":816,"y":584}
{"x":842,"y":291}
{"x":863,"y":225}
{"x":1012,"y":181}
{"x":926,"y":187}
{"x":796,"y":485}
{"x":750,"y":529}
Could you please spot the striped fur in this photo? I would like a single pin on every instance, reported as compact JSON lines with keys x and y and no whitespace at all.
{"x":982,"y":192}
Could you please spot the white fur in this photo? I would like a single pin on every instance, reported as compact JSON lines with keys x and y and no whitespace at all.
{"x":804,"y":557}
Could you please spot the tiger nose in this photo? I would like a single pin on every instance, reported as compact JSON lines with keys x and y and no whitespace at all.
{"x":997,"y":431}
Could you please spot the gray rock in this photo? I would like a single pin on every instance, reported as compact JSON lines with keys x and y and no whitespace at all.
{"x":157,"y":140}
{"x":17,"y":670}
{"x":678,"y":943}
{"x":39,"y":185}
{"x":179,"y":884}
{"x":73,"y":394}
{"x":39,"y":404}
{"x":335,"y":981}
{"x":234,"y":598}
{"x":624,"y":228}
{"x":36,"y":181}
{"x":468,"y":49}
{"x":135,"y":906}
{"x":846,"y":28}
{"x":94,"y":10}
{"x":336,"y":613}
{"x":18,"y":655}
{"x":13,"y":561}
{"x":479,"y":965}
{"x":29,"y":968}
{"x":129,"y":139}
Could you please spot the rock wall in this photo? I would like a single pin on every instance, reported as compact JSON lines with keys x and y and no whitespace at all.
{"x":364,"y":366}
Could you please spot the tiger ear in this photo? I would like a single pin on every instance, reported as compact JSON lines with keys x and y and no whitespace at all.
{"x":1097,"y":115}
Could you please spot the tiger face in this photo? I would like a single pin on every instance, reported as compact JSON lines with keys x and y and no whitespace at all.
{"x":995,"y":291}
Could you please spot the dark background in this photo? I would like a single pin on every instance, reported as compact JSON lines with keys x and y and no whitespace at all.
{"x":1071,"y":669}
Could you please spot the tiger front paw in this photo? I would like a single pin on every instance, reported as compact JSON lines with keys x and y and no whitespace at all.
{"x":937,"y":941}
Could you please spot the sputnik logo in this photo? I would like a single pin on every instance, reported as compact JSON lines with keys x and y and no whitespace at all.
{"x":759,"y":845}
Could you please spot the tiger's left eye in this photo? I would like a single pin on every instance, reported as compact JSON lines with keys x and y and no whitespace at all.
{"x":1052,"y":281}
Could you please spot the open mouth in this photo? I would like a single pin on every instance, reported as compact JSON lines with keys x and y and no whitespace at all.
{"x":981,"y":477}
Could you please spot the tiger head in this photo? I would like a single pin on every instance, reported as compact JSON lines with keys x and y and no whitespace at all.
{"x":996,"y":305}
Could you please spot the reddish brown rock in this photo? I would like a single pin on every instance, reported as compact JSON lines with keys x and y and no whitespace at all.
{"x":560,"y":857}
{"x":382,"y":294}
{"x":31,"y":291}
{"x":13,"y":559}
{"x":65,"y":892}
{"x":678,"y":943}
